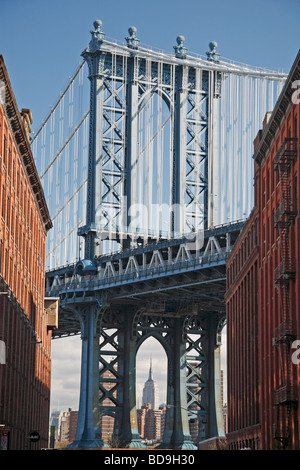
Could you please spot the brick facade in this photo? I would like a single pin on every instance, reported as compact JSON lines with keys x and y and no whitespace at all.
{"x":263,"y":379}
{"x":24,"y":221}
{"x":242,"y":339}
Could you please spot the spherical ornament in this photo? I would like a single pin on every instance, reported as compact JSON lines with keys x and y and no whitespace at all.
{"x":180,"y":39}
{"x":213,"y":45}
{"x":98,"y":24}
{"x":132,"y":30}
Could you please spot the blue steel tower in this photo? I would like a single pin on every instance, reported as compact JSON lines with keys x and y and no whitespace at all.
{"x":123,"y":81}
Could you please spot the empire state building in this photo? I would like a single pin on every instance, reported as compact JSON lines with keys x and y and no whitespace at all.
{"x":150,"y":391}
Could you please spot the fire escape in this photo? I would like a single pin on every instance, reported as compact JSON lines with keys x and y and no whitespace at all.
{"x":285,"y":395}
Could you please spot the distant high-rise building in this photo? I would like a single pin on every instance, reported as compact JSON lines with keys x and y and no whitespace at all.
{"x":65,"y":423}
{"x":73,"y":425}
{"x":150,"y":391}
{"x":151,"y":423}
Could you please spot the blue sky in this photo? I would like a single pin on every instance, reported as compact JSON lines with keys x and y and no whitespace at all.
{"x":42,"y":40}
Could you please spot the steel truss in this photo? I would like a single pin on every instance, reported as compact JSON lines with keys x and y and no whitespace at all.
{"x":175,"y":268}
{"x":147,"y":117}
{"x":154,"y":138}
{"x":191,"y":344}
{"x":185,"y":315}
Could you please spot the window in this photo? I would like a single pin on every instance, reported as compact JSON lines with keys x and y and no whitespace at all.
{"x":4,"y":150}
{"x":8,"y":213}
{"x":8,"y":161}
{"x":17,"y":184}
{"x":272,"y":175}
{"x":268,"y":234}
{"x":3,"y":202}
{"x":12,"y":221}
{"x":13,"y":173}
{"x":255,"y":233}
{"x":272,"y":227}
{"x":295,"y":193}
{"x":5,"y":264}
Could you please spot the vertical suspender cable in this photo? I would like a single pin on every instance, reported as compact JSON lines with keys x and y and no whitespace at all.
{"x":171,"y":152}
{"x":223,"y":167}
{"x":235,"y":149}
{"x":159,"y":149}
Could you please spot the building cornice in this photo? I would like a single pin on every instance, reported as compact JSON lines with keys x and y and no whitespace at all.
{"x":282,"y":107}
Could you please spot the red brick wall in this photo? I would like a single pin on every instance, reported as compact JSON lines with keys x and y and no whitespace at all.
{"x":25,"y":377}
{"x":242,"y":339}
{"x":22,"y":238}
{"x":259,"y":363}
{"x":270,"y":197}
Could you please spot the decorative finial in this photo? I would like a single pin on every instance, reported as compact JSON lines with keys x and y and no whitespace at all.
{"x":97,"y":25}
{"x":150,"y":369}
{"x":212,"y":54}
{"x":132,"y":40}
{"x":97,"y":35}
{"x":180,"y":50}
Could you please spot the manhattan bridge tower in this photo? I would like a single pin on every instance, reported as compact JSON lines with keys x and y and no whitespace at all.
{"x":154,"y":257}
{"x":149,"y":115}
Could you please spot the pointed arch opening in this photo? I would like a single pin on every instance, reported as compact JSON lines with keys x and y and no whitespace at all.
{"x":151,"y":389}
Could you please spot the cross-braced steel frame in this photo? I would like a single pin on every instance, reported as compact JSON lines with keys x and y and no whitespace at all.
{"x":148,"y":115}
{"x":145,"y":109}
{"x":111,"y":338}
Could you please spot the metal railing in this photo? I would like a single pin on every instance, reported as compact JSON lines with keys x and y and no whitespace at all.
{"x":285,"y":270}
{"x":285,"y":212}
{"x":92,"y":282}
{"x":285,"y":332}
{"x":287,"y":151}
{"x":286,"y":394}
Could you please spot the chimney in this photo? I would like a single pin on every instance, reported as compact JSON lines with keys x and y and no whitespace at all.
{"x":257,"y":139}
{"x":260,"y":132}
{"x":27,"y":121}
{"x":266,"y":119}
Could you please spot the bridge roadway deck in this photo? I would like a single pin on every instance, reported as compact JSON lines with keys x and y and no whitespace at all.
{"x":168,"y":273}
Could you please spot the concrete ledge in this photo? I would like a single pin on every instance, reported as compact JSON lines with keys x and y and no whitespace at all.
{"x":215,"y":443}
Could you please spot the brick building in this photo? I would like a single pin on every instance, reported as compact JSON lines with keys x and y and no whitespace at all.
{"x":107,"y":421}
{"x":73,"y":425}
{"x":65,"y":424}
{"x":242,"y":339}
{"x":25,"y":323}
{"x":151,"y":422}
{"x":262,"y":299}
